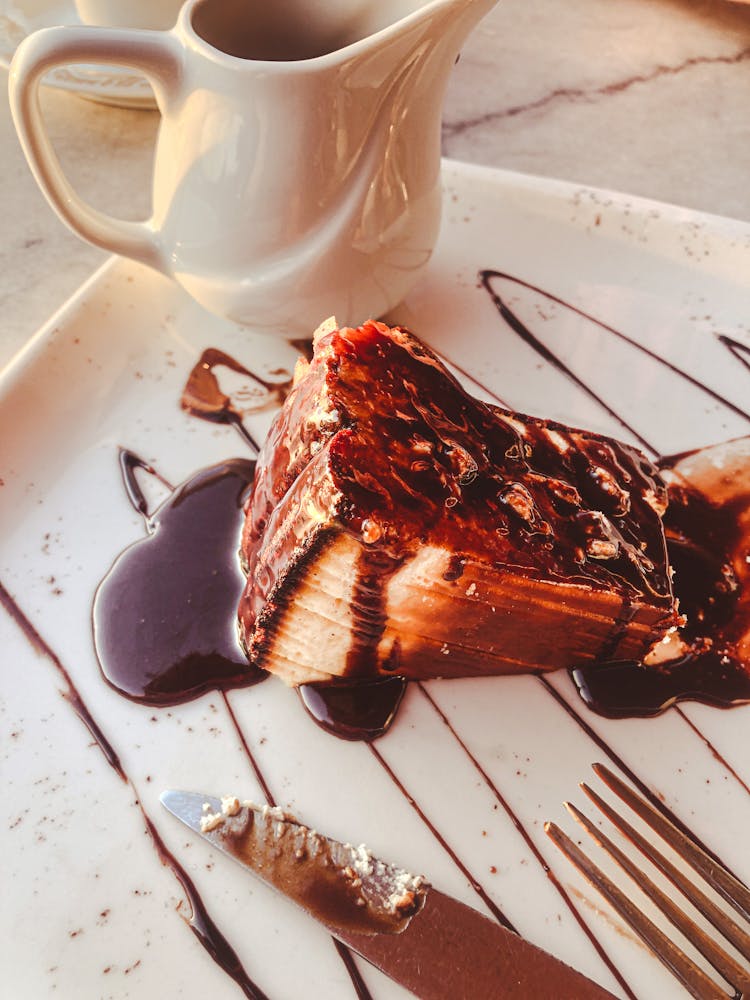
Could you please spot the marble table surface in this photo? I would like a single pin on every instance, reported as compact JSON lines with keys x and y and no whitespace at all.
{"x":643,"y":96}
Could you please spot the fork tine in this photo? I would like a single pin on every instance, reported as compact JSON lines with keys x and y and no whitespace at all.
{"x":721,"y":921}
{"x":695,"y":981}
{"x":716,"y":955}
{"x":730,"y":888}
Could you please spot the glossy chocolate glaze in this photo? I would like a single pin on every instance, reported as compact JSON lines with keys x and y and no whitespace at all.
{"x":703,"y":535}
{"x":460,"y":470}
{"x":163,"y":623}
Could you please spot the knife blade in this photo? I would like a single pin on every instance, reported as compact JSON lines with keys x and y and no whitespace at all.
{"x":430,"y":943}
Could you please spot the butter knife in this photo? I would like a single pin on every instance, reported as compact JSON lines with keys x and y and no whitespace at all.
{"x":435,"y":946}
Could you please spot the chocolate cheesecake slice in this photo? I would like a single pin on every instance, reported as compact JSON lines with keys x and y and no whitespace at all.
{"x":397,"y":525}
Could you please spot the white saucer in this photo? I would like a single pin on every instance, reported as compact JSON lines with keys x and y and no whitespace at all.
{"x":106,"y":84}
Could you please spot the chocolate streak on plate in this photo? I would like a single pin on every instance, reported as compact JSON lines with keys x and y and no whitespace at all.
{"x":344,"y":954}
{"x":518,"y":327}
{"x":530,"y":844}
{"x":653,"y":799}
{"x":200,"y":922}
{"x":164,"y":614}
{"x":129,"y":465}
{"x":740,"y":351}
{"x":473,"y":882}
{"x":70,"y":692}
{"x":203,"y":396}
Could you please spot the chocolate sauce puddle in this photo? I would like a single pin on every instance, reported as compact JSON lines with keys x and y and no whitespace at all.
{"x":164,"y":615}
{"x":354,"y":710}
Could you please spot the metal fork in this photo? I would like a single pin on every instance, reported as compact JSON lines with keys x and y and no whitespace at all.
{"x":692,"y":977}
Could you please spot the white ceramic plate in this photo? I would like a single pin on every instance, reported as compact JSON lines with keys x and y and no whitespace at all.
{"x":88,"y":909}
{"x":105,"y":84}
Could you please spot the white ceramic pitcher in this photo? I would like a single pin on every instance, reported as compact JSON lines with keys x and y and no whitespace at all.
{"x":297,"y":169}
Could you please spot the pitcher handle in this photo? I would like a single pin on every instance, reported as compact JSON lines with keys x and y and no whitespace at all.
{"x":157,"y":54}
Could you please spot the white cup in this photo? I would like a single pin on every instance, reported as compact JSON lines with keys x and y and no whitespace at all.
{"x":156,"y":14}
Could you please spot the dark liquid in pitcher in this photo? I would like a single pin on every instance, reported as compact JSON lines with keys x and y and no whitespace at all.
{"x":283,"y":31}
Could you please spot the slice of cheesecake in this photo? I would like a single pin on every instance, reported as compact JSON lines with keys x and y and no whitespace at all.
{"x":397,"y":525}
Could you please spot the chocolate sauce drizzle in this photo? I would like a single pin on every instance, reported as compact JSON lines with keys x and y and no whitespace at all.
{"x":338,"y":709}
{"x":740,"y":351}
{"x":69,"y":691}
{"x":531,"y":846}
{"x":200,"y":921}
{"x":639,"y":783}
{"x":543,"y":350}
{"x":696,"y":531}
{"x":344,"y":953}
{"x":476,"y":885}
{"x":203,"y":397}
